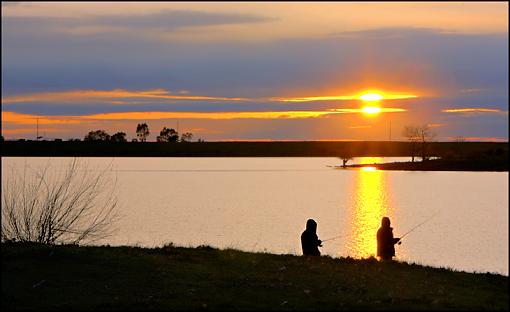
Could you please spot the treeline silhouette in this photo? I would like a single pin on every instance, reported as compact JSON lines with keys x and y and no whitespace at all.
{"x":142,"y":132}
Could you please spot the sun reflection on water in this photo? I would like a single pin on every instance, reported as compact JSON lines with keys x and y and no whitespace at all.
{"x":370,"y":202}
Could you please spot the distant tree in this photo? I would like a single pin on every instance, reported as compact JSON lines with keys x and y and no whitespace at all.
{"x":58,"y":140}
{"x":427,"y":135}
{"x":142,"y":132}
{"x":186,"y":137}
{"x":98,"y":135}
{"x":200,"y":140}
{"x":345,"y":158}
{"x":168,"y":135}
{"x":119,"y":137}
{"x":419,"y":134}
{"x":459,"y":138}
{"x":412,"y":135}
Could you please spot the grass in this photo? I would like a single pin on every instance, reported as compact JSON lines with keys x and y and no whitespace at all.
{"x":66,"y":277}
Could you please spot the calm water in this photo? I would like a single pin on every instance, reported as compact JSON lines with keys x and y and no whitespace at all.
{"x":262,"y":204}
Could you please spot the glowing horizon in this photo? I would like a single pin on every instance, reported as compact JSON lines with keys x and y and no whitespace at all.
{"x":364,"y":96}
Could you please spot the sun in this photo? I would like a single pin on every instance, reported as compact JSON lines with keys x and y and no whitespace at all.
{"x":371,"y":96}
{"x":371,"y":110}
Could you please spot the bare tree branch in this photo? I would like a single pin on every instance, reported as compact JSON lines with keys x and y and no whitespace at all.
{"x":77,"y":205}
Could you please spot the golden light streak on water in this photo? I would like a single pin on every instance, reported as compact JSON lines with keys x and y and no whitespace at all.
{"x":370,"y":202}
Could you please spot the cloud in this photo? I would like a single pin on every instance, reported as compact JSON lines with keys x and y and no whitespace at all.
{"x":13,"y":3}
{"x":386,"y":96}
{"x":114,"y":97}
{"x":31,"y":119}
{"x":166,"y":20}
{"x":360,"y":127}
{"x":435,"y":125}
{"x":472,"y":110}
{"x":473,"y":90}
{"x":173,"y":19}
{"x":390,"y":33}
{"x":101,"y":100}
{"x":477,"y":139}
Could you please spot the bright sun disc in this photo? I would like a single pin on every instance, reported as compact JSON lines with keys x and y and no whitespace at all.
{"x":371,"y":97}
{"x":371,"y":110}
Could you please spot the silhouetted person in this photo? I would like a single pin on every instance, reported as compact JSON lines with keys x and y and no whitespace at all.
{"x":385,"y":240}
{"x":309,"y":240}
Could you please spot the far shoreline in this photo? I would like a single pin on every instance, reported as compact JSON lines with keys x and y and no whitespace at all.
{"x":453,"y":156}
{"x":434,"y":165}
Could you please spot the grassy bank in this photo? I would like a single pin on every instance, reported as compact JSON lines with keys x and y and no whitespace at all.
{"x":168,"y":278}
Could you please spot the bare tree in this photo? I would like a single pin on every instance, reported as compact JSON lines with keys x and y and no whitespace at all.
{"x":54,"y":206}
{"x":345,"y":158}
{"x":426,"y":135}
{"x":186,"y":137}
{"x":412,"y":135}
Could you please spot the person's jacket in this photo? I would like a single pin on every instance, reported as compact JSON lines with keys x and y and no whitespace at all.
{"x":386,"y":242}
{"x":309,"y":241}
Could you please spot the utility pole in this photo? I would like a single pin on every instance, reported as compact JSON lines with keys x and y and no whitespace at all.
{"x":39,"y":137}
{"x":390,"y":130}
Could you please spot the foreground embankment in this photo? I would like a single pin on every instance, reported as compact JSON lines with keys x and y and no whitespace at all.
{"x":177,"y":278}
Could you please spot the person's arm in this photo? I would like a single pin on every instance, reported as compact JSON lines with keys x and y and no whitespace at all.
{"x":318,"y":242}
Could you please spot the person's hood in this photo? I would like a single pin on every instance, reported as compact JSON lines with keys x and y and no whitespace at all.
{"x":311,"y":225}
{"x":385,"y":222}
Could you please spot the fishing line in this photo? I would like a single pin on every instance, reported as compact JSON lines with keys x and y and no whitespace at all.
{"x":332,"y":238}
{"x":415,"y":227}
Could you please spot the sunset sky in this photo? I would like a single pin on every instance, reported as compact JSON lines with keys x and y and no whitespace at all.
{"x":256,"y":71}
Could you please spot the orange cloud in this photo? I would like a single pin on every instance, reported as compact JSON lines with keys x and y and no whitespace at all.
{"x":363,"y":110}
{"x":29,"y":130}
{"x":129,"y":97}
{"x":28,"y":119}
{"x":486,"y":139}
{"x":471,"y":110}
{"x":360,"y":127}
{"x":383,"y":96}
{"x":435,"y":125}
{"x":210,"y":115}
{"x":107,"y":95}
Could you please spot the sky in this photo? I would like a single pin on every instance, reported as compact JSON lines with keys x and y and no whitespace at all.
{"x":255,"y":70}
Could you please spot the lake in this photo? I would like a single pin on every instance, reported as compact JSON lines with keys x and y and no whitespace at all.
{"x":262,"y":204}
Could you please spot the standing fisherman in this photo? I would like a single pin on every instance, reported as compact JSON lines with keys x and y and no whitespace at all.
{"x":385,"y":240}
{"x":310,"y":243}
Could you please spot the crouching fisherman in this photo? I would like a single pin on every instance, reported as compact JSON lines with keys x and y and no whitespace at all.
{"x":385,"y":240}
{"x":310,"y":243}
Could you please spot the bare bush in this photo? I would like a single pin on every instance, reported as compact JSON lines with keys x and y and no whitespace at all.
{"x":51,"y":205}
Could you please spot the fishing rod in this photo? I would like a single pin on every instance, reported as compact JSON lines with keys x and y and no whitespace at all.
{"x":415,"y":227}
{"x":332,"y":238}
